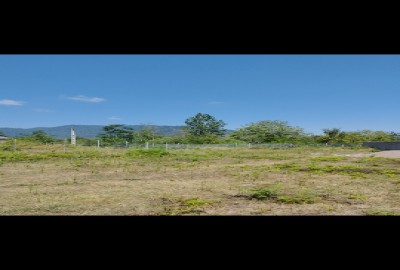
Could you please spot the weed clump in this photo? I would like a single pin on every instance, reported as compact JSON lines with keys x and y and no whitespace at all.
{"x":184,"y":206}
{"x":194,"y":202}
{"x":378,"y":212}
{"x":147,"y":153}
{"x":287,"y":167}
{"x":302,"y":197}
{"x":357,"y":197}
{"x":264,"y":193}
{"x":327,"y":159}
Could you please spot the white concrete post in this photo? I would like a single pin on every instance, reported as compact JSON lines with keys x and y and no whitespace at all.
{"x":73,"y":137}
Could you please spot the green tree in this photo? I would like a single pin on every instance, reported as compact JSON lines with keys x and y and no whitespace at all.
{"x":40,"y":136}
{"x":147,"y":134}
{"x":117,"y":133}
{"x":269,"y":131}
{"x":353,"y":137}
{"x":370,"y":135}
{"x":204,"y":125}
{"x":338,"y":136}
{"x":332,"y":135}
{"x":395,"y":136}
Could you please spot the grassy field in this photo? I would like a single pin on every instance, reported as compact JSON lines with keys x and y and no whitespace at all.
{"x":43,"y":180}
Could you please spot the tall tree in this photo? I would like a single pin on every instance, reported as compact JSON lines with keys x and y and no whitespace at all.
{"x":332,"y":135}
{"x":268,"y":131}
{"x":147,"y":133}
{"x":40,"y":136}
{"x":117,"y":133}
{"x":204,"y":125}
{"x":395,"y":135}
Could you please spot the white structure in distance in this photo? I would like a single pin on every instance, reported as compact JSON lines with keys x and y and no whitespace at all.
{"x":73,"y":137}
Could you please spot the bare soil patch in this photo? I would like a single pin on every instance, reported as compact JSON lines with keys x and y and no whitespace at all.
{"x":385,"y":154}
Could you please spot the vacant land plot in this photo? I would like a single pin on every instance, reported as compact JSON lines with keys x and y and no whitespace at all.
{"x":43,"y":180}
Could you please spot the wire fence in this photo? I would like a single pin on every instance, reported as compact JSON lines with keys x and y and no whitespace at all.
{"x":148,"y":145}
{"x":128,"y":145}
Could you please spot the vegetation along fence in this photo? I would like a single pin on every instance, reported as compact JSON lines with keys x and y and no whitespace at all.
{"x":195,"y":146}
{"x":16,"y":144}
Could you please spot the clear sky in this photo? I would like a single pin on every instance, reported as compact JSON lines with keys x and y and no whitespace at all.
{"x":351,"y":92}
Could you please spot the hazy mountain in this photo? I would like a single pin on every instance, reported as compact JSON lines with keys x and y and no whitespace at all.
{"x":85,"y":131}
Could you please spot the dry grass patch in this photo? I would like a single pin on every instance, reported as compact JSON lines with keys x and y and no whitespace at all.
{"x":43,"y":180}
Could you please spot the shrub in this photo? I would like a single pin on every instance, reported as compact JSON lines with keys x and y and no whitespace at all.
{"x":264,"y":193}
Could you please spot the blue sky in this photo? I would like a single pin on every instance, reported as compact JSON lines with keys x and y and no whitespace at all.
{"x":351,"y":92}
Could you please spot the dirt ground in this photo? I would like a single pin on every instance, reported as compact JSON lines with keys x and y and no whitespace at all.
{"x":385,"y":154}
{"x":45,"y":180}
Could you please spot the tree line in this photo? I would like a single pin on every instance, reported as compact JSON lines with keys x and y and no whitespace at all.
{"x":206,"y":129}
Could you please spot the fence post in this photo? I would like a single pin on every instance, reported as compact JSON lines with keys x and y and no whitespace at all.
{"x":249,"y":145}
{"x":65,"y":145}
{"x":126,"y":144}
{"x":147,"y":145}
{"x":98,"y":143}
{"x":15,"y":144}
{"x":166,"y":146}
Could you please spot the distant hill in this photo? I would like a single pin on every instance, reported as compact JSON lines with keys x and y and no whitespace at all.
{"x":85,"y":131}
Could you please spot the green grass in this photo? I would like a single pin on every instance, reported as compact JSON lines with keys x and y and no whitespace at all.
{"x":287,"y":166}
{"x":350,"y":170}
{"x":295,"y":200}
{"x":147,"y":153}
{"x":357,"y":197}
{"x":195,"y":202}
{"x":380,"y":212}
{"x":184,"y":206}
{"x":327,"y":159}
{"x":31,"y":156}
{"x":264,"y":193}
{"x":273,"y":193}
